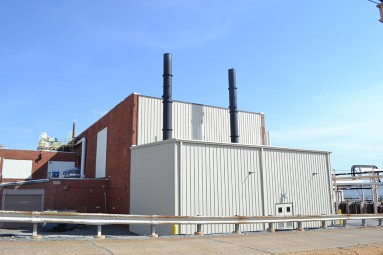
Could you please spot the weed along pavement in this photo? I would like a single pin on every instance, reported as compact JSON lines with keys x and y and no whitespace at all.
{"x":334,"y":240}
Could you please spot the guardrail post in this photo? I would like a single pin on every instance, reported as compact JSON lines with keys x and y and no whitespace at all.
{"x":364,"y":223}
{"x":345,"y":223}
{"x":236,"y":229}
{"x":380,"y":222}
{"x":271,"y":228}
{"x":34,"y":233}
{"x":324,"y":224}
{"x":199,"y":230}
{"x":300,"y":227}
{"x":153,"y":231}
{"x":99,"y":235}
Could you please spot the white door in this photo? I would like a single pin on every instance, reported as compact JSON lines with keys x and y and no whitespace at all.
{"x":284,"y":209}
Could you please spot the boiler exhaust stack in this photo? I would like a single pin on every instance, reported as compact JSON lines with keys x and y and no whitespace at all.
{"x":233,"y":106}
{"x":167,"y":131}
{"x":73,"y":131}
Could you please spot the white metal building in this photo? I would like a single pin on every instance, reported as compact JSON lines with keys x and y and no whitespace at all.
{"x":190,"y":178}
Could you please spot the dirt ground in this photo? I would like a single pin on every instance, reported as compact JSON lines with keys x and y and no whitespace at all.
{"x":370,"y":249}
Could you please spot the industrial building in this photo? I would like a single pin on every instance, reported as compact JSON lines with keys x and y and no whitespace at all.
{"x":160,"y":156}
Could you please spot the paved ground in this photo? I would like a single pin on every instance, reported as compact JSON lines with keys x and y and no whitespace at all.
{"x":353,"y":240}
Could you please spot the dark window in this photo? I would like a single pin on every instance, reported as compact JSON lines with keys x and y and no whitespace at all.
{"x":288,"y":209}
{"x":280,"y":209}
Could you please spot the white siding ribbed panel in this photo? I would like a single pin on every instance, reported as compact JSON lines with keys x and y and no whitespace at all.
{"x":219,"y":181}
{"x":217,"y":127}
{"x":102,"y":140}
{"x":250,"y":128}
{"x":17,"y":169}
{"x":149,"y":127}
{"x":153,"y":185}
{"x":190,"y":178}
{"x":195,"y":122}
{"x":303,"y":176}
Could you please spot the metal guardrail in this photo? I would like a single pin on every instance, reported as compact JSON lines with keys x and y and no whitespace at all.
{"x":109,"y":219}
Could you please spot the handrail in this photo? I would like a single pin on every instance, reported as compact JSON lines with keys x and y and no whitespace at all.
{"x":110,"y":219}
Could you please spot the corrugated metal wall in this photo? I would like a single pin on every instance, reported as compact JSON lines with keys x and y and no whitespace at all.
{"x":154,"y":184}
{"x":213,"y":179}
{"x":195,"y":122}
{"x":219,"y":181}
{"x":303,"y":176}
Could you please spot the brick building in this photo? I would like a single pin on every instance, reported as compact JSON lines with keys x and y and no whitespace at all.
{"x":106,"y":159}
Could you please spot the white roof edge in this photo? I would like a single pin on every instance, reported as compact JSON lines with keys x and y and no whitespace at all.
{"x":178,"y":101}
{"x":176,"y":140}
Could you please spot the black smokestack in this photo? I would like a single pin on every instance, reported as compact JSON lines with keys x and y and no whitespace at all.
{"x":233,"y":106}
{"x":167,"y":131}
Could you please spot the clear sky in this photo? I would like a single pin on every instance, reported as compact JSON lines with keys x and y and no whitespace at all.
{"x":315,"y":68}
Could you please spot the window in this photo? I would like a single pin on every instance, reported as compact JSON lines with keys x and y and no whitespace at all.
{"x":280,"y":209}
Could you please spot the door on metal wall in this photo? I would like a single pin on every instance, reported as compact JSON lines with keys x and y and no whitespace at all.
{"x":284,"y":209}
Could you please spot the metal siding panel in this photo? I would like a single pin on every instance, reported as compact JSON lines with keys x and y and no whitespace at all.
{"x":292,"y":172}
{"x":153,"y":189}
{"x":219,"y":184}
{"x":217,"y":128}
{"x":250,"y":128}
{"x":149,"y":120}
{"x":102,"y":139}
{"x":195,"y":122}
{"x":17,"y":169}
{"x":214,"y":180}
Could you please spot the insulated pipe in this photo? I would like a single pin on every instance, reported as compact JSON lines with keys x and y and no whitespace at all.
{"x":83,"y":148}
{"x":167,"y":130}
{"x":233,"y":106}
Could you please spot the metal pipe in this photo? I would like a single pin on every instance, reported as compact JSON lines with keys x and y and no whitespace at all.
{"x":354,"y":167}
{"x":233,"y":106}
{"x":167,"y":130}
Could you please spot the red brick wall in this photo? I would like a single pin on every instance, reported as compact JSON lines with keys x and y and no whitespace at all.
{"x":122,"y":134}
{"x":72,"y":194}
{"x":39,"y":160}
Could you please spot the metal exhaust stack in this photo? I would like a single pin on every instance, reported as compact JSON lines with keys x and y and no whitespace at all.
{"x":167,"y":131}
{"x":233,"y":106}
{"x":73,"y":131}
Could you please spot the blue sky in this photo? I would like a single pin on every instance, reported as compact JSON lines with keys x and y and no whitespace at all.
{"x":314,"y":68}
